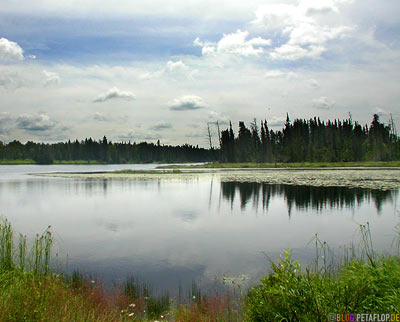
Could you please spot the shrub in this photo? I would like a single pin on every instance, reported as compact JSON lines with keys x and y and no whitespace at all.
{"x":290,"y":294}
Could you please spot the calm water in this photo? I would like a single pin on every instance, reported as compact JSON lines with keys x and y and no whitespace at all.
{"x":170,"y":232}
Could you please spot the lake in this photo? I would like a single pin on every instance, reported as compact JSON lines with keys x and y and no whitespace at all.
{"x":170,"y":230}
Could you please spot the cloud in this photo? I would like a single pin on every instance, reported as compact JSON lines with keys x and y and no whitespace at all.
{"x":196,"y":134}
{"x":10,"y":51}
{"x":312,"y":83}
{"x":323,"y":103}
{"x":306,"y":37}
{"x":235,"y":43}
{"x":51,"y":78}
{"x":114,"y":93}
{"x":35,"y":123}
{"x":214,"y":116}
{"x":176,"y":66}
{"x":278,"y":73}
{"x":150,"y":75}
{"x":100,"y":117}
{"x":381,"y":112}
{"x":187,"y":102}
{"x":295,"y":52}
{"x":161,"y":126}
{"x":5,"y":120}
{"x":276,"y":121}
{"x":131,"y":135}
{"x":171,"y":69}
{"x":11,"y":80}
{"x":313,"y":34}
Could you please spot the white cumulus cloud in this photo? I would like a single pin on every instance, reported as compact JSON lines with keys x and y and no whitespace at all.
{"x":10,"y":51}
{"x":312,"y":83}
{"x":187,"y":102}
{"x":276,"y":73}
{"x":214,"y":116}
{"x":51,"y":78}
{"x":323,"y":103}
{"x":235,"y":43}
{"x":276,"y":121}
{"x":306,"y":36}
{"x":178,"y":65}
{"x":295,"y":52}
{"x":114,"y":93}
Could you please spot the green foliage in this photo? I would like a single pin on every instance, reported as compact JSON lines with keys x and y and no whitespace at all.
{"x":311,"y":140}
{"x":102,"y":151}
{"x":290,"y":294}
{"x":36,"y":260}
{"x":154,"y":306}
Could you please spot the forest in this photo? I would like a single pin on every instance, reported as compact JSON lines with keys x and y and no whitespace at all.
{"x":104,"y":151}
{"x":311,"y":140}
{"x":302,"y":140}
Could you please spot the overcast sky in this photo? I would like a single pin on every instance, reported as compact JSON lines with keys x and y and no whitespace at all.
{"x":146,"y":70}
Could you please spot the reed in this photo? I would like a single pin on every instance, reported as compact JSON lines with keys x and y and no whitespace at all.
{"x":12,"y":256}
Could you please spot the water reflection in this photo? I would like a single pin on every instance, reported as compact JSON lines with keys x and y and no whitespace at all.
{"x":303,"y":197}
{"x":170,"y":232}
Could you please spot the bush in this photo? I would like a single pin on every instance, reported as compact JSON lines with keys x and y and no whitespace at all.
{"x":290,"y":294}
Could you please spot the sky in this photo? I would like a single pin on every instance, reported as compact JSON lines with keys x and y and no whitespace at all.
{"x":136,"y":70}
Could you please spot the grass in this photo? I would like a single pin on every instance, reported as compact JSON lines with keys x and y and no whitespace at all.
{"x":360,"y":282}
{"x":378,"y":164}
{"x":78,"y":162}
{"x":29,"y":161}
{"x":31,"y":291}
{"x":16,"y":162}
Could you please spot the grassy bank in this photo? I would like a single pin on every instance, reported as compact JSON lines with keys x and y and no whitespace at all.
{"x":363,"y":283}
{"x":29,"y":161}
{"x":371,"y":164}
{"x":16,"y":162}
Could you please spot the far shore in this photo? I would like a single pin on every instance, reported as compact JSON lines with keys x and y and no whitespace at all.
{"x":369,"y":178}
{"x":218,"y":165}
{"x":361,"y":164}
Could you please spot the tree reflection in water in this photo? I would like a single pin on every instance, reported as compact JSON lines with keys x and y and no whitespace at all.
{"x":304,"y":197}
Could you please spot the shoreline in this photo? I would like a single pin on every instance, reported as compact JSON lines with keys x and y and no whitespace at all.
{"x":367,"y":178}
{"x":247,"y":165}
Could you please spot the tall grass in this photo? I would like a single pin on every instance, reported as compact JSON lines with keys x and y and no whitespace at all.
{"x":37,"y":259}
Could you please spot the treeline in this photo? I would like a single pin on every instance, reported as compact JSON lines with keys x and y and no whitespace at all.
{"x":311,"y":141}
{"x":104,"y":151}
{"x":302,"y":140}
